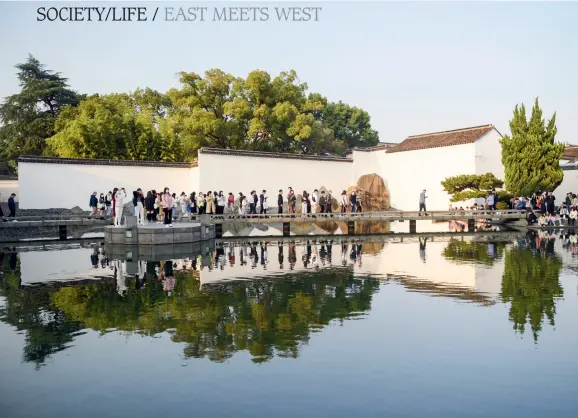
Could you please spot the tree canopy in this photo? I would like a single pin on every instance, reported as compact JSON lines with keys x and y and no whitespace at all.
{"x":217,"y":110}
{"x":530,"y":155}
{"x":470,"y":186}
{"x":27,"y":118}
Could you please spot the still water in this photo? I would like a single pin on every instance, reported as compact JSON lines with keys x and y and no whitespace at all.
{"x":442,"y":327}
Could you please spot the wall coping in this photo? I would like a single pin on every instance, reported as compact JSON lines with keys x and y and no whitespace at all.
{"x":279,"y":155}
{"x":87,"y":161}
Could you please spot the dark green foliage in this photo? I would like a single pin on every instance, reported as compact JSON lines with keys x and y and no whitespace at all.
{"x":531,"y":284}
{"x":27,"y":118}
{"x":473,"y":252}
{"x":470,"y":186}
{"x":530,"y":156}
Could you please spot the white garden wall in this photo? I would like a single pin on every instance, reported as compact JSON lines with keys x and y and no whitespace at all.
{"x":46,"y":185}
{"x":569,"y":184}
{"x":488,"y":154}
{"x":242,"y":172}
{"x":7,"y":187}
{"x":406,"y":174}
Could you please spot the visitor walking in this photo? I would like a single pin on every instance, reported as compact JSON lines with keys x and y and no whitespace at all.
{"x":149,"y":203}
{"x":230,"y":203}
{"x":194,"y":203}
{"x":139,"y":207}
{"x":315,"y":201}
{"x":280,"y":202}
{"x":12,"y":206}
{"x":120,"y":198}
{"x":550,"y":205}
{"x":183,"y":200}
{"x":343,"y":202}
{"x":175,"y":204}
{"x":200,"y":204}
{"x":291,"y":200}
{"x":160,"y":210}
{"x":322,"y":202}
{"x":101,"y":204}
{"x":255,"y":201}
{"x":168,"y":203}
{"x":93,"y":203}
{"x":328,"y":202}
{"x":422,"y":198}
{"x":572,"y":216}
{"x":108,"y":204}
{"x":221,"y":202}
{"x":210,"y":203}
{"x":353,"y":201}
{"x":262,"y":201}
{"x":304,"y":199}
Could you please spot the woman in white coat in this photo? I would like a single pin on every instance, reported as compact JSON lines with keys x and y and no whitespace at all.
{"x":120,"y":199}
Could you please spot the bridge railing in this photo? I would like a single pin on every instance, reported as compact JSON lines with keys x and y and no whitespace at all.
{"x":393,"y":215}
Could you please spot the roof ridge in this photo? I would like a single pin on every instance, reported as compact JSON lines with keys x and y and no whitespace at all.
{"x":452,"y":130}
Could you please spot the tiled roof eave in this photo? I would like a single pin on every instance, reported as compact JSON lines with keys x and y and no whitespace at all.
{"x":86,"y":161}
{"x":262,"y":154}
{"x":431,"y":147}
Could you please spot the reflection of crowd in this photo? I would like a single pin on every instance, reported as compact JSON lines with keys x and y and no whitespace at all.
{"x":542,"y":242}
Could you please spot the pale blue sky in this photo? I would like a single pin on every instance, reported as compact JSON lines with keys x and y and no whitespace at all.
{"x":416,"y":67}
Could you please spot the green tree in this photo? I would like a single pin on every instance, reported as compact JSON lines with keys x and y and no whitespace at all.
{"x":530,"y":155}
{"x":349,"y":124}
{"x":473,"y":252}
{"x":119,"y":127}
{"x":27,"y":118}
{"x":470,"y":186}
{"x":531,"y":284}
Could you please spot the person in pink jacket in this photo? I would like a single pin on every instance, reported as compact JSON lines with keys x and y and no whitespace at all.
{"x":168,"y":207}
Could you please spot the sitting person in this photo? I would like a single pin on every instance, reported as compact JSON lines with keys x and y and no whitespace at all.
{"x":563,"y":213}
{"x":542,"y":220}
{"x":531,"y":218}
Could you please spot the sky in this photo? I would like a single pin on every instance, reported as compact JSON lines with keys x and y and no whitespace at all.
{"x":416,"y":67}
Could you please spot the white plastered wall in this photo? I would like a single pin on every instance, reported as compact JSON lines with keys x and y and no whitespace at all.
{"x":45,"y":185}
{"x":488,"y":155}
{"x":232,"y":173}
{"x":406,"y":174}
{"x":569,"y":184}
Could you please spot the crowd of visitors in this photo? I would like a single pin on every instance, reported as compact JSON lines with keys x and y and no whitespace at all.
{"x":163,"y":207}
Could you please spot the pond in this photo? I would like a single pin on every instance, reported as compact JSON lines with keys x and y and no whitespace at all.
{"x":463,"y":326}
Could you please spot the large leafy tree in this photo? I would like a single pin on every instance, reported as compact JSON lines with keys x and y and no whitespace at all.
{"x":27,"y":118}
{"x":117,"y":126}
{"x":256,"y":113}
{"x":530,"y":155}
{"x":350,"y":125}
{"x":470,"y":186}
{"x":216,"y":110}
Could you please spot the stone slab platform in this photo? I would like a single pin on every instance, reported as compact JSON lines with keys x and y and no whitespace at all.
{"x":158,"y":234}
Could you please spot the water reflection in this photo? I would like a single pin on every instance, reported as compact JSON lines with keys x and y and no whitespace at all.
{"x":266,"y":297}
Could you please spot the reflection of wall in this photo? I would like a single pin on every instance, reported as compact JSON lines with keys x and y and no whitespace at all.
{"x":70,"y":264}
{"x":272,"y":266}
{"x":405,"y":259}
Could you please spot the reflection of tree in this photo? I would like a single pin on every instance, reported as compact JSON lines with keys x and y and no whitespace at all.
{"x":474,"y":252}
{"x":46,"y":330}
{"x":266,"y":317}
{"x":531,"y":284}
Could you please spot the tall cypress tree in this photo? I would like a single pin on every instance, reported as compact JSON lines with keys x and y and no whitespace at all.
{"x":530,"y":156}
